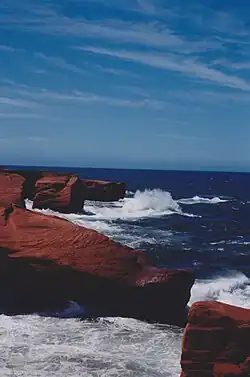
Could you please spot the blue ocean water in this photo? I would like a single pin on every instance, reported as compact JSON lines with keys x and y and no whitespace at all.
{"x":197,"y":220}
{"x":213,"y":236}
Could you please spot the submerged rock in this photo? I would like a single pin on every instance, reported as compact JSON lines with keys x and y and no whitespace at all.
{"x":61,"y":193}
{"x":216,"y":341}
{"x":104,"y":191}
{"x":11,"y":189}
{"x":47,"y":262}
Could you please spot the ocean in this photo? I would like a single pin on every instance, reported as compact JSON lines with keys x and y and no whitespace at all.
{"x":197,"y":220}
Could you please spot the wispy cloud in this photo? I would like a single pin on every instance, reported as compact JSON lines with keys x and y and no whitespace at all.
{"x":61,"y":63}
{"x":35,"y":139}
{"x":5,"y":48}
{"x":48,"y":97}
{"x":17,"y":102}
{"x":152,"y":34}
{"x":173,"y":62}
{"x":147,"y":7}
{"x":117,"y":72}
{"x":13,"y":140}
{"x":182,"y":137}
{"x":166,"y":47}
{"x":40,"y":71}
{"x":242,"y":65}
{"x":17,"y":115}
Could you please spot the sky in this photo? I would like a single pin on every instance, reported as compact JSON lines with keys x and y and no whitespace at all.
{"x":157,"y":84}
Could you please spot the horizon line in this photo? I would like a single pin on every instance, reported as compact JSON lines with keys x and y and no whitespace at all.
{"x":206,"y":170}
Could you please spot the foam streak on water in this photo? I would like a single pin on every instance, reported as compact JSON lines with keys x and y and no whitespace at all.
{"x":44,"y":347}
{"x":232,"y":288}
{"x":149,"y":203}
{"x":200,"y":200}
{"x":108,"y":218}
{"x":49,"y":347}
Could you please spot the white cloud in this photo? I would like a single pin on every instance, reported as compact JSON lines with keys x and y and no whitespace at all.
{"x":158,"y":43}
{"x":147,"y":7}
{"x":242,"y":65}
{"x":16,"y":115}
{"x":174,"y":62}
{"x":152,"y":34}
{"x":52,"y":98}
{"x":61,"y":63}
{"x":95,"y":98}
{"x":183,"y":137}
{"x":5,"y":48}
{"x":35,"y":139}
{"x":117,"y":72}
{"x":16,"y":102}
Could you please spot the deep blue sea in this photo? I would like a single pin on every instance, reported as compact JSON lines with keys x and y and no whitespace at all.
{"x":198,"y":220}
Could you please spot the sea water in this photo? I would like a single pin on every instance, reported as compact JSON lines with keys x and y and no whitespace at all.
{"x":180,"y":220}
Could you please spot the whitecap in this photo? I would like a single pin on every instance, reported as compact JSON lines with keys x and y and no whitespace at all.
{"x":232,"y":288}
{"x":46,"y":347}
{"x":201,"y":200}
{"x":148,"y":203}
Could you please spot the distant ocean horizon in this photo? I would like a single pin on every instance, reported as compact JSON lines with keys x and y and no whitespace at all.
{"x":180,"y":219}
{"x":218,"y":169}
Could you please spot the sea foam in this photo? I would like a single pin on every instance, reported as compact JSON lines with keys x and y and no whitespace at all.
{"x":232,"y":288}
{"x":202,"y":200}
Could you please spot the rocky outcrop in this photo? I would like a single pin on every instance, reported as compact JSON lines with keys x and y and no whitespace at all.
{"x":31,"y":177}
{"x":104,"y":191}
{"x":216,"y":341}
{"x":47,"y":261}
{"x":11,"y":189}
{"x":92,"y":189}
{"x":64,"y":193}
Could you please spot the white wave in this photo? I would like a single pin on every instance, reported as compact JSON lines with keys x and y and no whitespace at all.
{"x":51,"y":347}
{"x":28,"y":204}
{"x":231,"y":242}
{"x":233,"y":289}
{"x":72,"y":311}
{"x":103,"y":217}
{"x":148,"y":203}
{"x":129,"y":234}
{"x":200,"y":200}
{"x":129,"y":193}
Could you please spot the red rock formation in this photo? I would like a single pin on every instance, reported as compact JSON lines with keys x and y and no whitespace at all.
{"x":11,"y":189}
{"x":216,"y":341}
{"x":93,"y":189}
{"x":104,"y":191}
{"x":46,"y":260}
{"x":62,"y":193}
{"x":31,"y":177}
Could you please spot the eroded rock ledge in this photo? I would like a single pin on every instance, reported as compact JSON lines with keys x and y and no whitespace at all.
{"x":216,"y":341}
{"x":47,"y":261}
{"x":46,"y":185}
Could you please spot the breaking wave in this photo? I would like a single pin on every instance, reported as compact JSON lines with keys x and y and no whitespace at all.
{"x":200,"y":200}
{"x":148,"y":203}
{"x":45,"y":347}
{"x":233,"y":289}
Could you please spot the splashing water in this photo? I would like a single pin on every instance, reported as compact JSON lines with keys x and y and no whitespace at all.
{"x":149,"y":203}
{"x":233,"y":289}
{"x":200,"y":200}
{"x":51,"y":347}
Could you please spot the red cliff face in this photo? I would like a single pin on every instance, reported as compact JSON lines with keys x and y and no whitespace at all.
{"x":91,"y":189}
{"x":11,"y":189}
{"x":104,"y":191}
{"x":46,"y":261}
{"x":216,"y":341}
{"x":62,"y":193}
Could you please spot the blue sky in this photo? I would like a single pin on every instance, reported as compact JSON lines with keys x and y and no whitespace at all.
{"x":132,"y":84}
